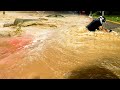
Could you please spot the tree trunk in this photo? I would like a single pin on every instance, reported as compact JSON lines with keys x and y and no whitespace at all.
{"x":103,"y":13}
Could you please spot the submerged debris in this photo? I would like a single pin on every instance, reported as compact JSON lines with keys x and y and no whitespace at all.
{"x":22,"y":21}
{"x":55,"y":15}
{"x":8,"y":24}
{"x":29,"y":22}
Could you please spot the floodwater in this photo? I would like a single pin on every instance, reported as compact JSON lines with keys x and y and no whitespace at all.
{"x":57,"y":48}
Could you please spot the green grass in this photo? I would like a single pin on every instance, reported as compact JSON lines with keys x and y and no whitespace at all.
{"x":115,"y":18}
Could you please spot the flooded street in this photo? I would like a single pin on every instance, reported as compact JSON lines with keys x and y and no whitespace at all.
{"x":57,"y":48}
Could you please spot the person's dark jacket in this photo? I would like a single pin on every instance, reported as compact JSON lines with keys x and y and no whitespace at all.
{"x":94,"y":25}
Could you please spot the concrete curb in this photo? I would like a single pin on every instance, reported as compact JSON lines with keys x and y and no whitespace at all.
{"x":113,"y":22}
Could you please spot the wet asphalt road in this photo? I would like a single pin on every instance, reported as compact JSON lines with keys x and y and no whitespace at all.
{"x":111,"y":25}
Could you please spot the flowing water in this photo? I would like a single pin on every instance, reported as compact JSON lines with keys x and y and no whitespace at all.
{"x":59,"y":48}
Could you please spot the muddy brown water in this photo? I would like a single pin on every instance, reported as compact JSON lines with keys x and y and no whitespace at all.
{"x":60,"y":48}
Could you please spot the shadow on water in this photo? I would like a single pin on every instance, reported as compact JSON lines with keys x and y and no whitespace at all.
{"x":92,"y":72}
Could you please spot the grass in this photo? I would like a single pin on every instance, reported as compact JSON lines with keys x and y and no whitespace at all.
{"x":115,"y":18}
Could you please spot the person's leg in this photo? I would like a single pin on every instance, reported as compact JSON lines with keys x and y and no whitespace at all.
{"x":104,"y":29}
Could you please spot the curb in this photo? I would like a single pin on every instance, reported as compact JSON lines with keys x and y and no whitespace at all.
{"x":113,"y":22}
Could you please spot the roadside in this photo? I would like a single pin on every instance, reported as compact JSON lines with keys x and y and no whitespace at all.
{"x":111,"y":25}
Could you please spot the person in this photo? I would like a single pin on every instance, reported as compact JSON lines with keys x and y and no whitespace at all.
{"x":97,"y":24}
